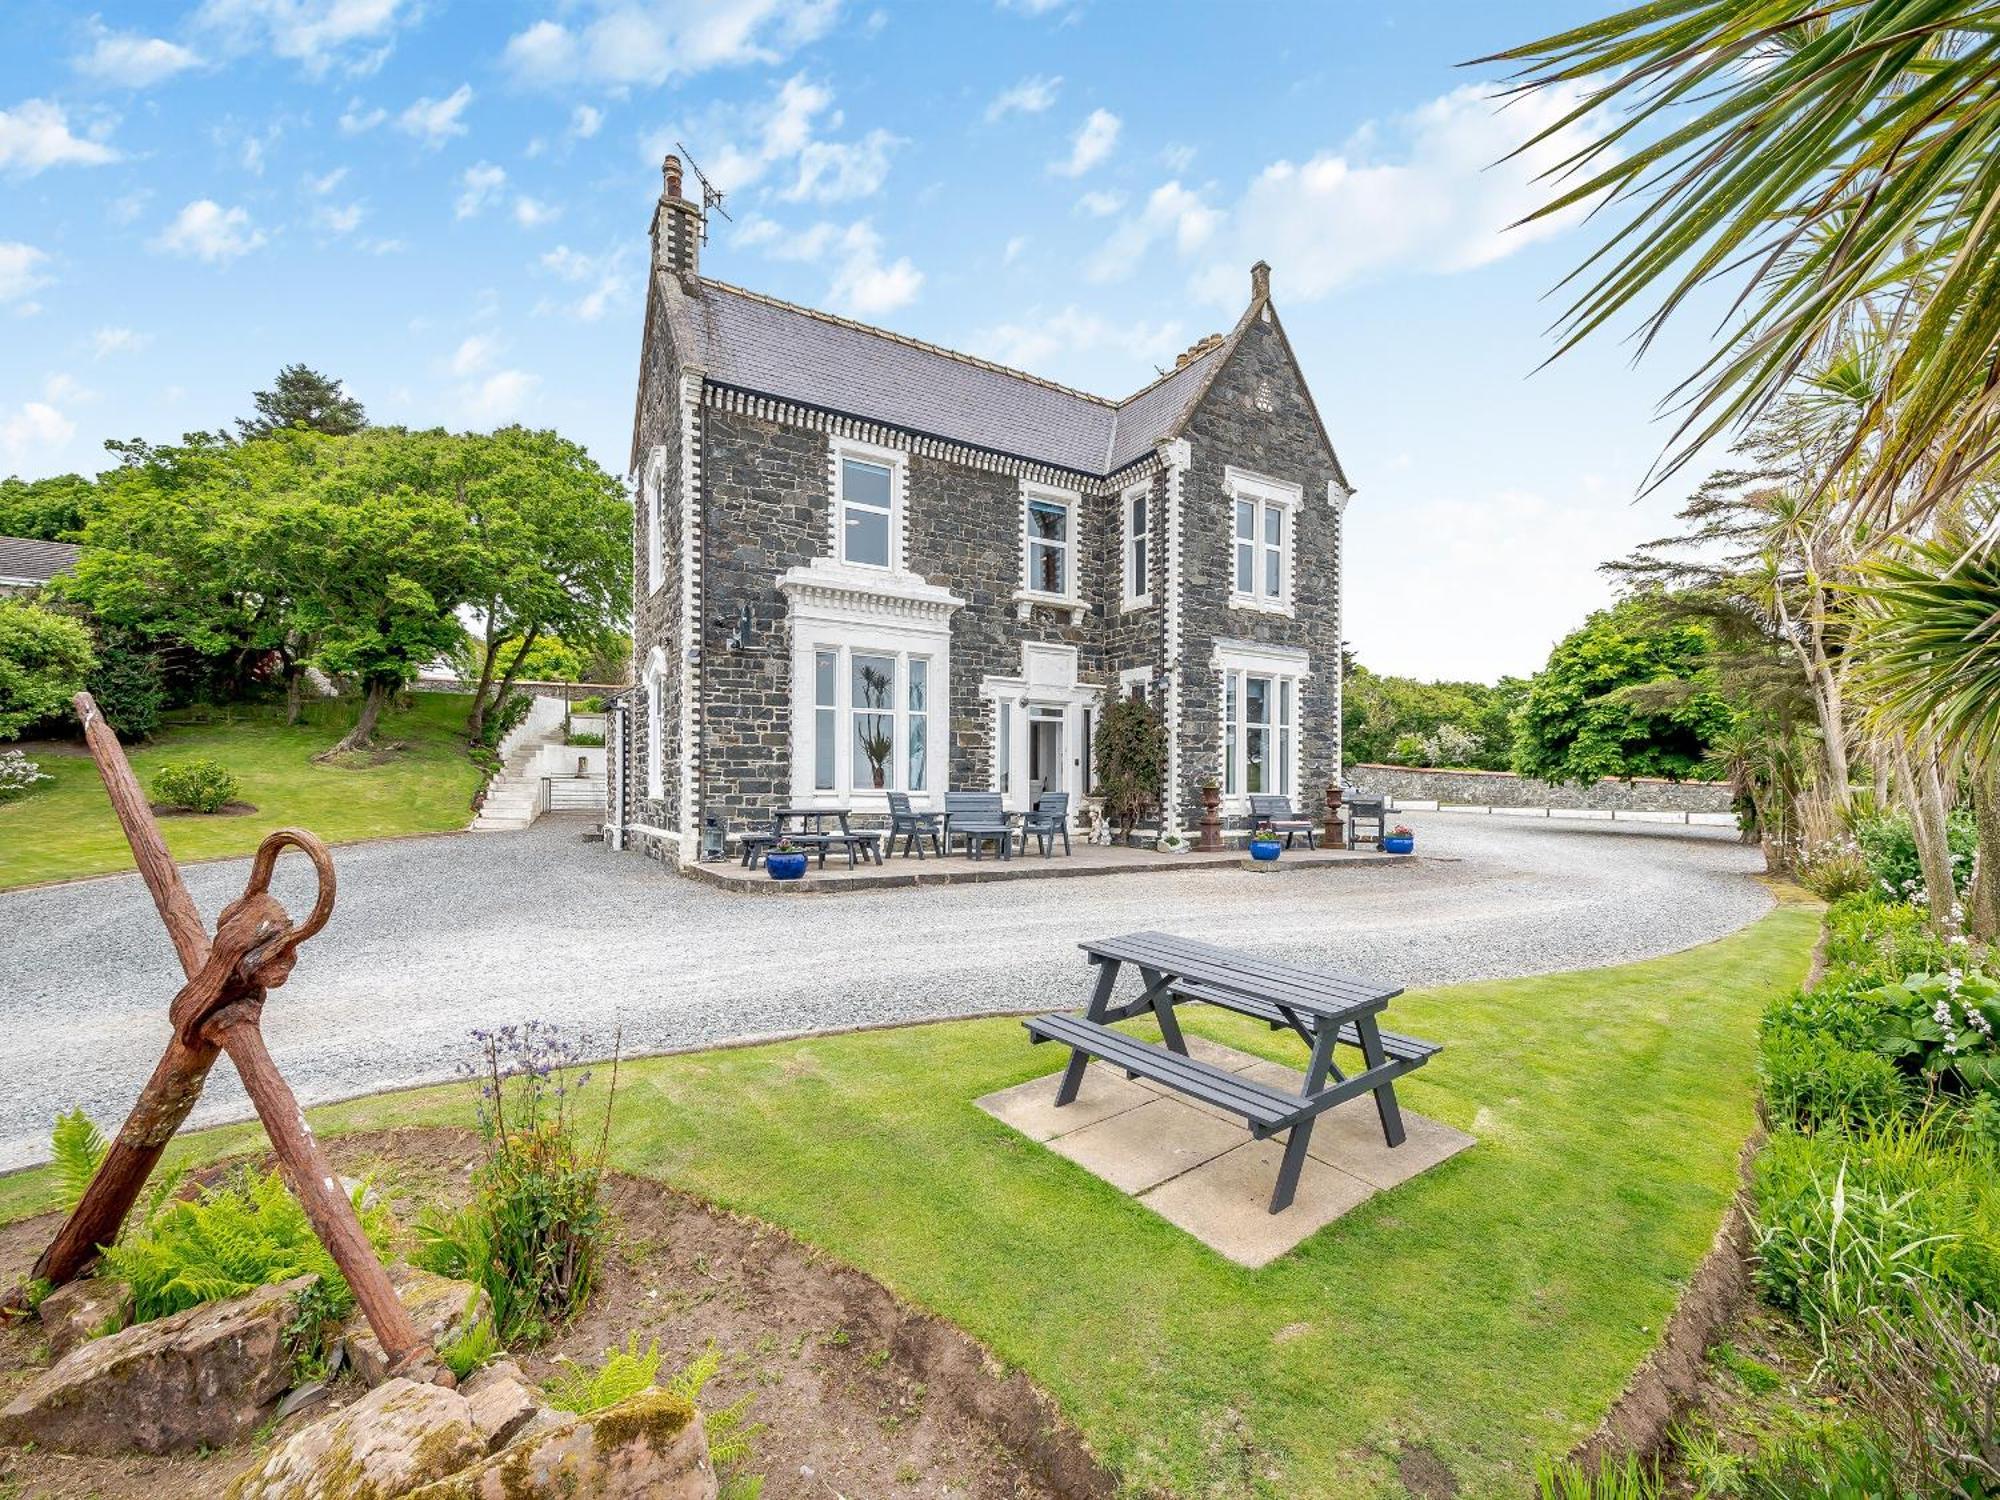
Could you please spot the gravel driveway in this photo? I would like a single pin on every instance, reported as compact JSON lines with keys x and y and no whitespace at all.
{"x":435,"y":936}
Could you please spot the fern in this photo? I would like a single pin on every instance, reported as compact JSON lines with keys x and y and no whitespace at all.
{"x":476,"y":1346}
{"x":624,"y":1373}
{"x":246,"y":1232}
{"x":78,"y":1147}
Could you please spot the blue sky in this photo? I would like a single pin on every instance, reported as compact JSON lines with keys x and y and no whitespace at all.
{"x":445,"y":202}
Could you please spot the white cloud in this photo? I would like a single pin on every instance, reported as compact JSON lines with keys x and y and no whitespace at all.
{"x":863,"y":284}
{"x":1014,"y":248}
{"x":109,"y":341}
{"x":128,"y":59}
{"x":1095,"y":139}
{"x":33,"y":433}
{"x":480,"y":184}
{"x":1035,"y":7}
{"x":607,"y":277}
{"x":18,"y":270}
{"x":1035,"y":343}
{"x":339,"y":218}
{"x":1177,"y":158}
{"x":498,"y":398}
{"x":320,"y":186}
{"x":207,"y":231}
{"x":650,"y":42}
{"x":585,"y":121}
{"x":1028,"y":97}
{"x":833,"y":171}
{"x":474,"y":354}
{"x":127,"y":207}
{"x":1171,"y":212}
{"x":1428,"y":192}
{"x":359,"y":119}
{"x":67,"y":389}
{"x":35,"y":136}
{"x":752,"y":140}
{"x":1101,"y":204}
{"x":435,"y":121}
{"x":532,"y":213}
{"x":354,"y":35}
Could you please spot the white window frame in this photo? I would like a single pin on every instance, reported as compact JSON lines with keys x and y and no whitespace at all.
{"x":853,"y":785}
{"x":1138,"y":590}
{"x":1235,"y":662}
{"x":651,"y":482}
{"x":656,"y":734}
{"x":1267,"y":496}
{"x":897,"y":462}
{"x":1070,"y":596}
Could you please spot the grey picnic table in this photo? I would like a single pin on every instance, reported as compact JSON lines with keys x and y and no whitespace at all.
{"x":1321,"y":1009}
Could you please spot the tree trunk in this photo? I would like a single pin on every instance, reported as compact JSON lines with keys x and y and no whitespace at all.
{"x":475,"y":722}
{"x":1920,"y":793}
{"x":1983,"y":917}
{"x":374,"y":696}
{"x":513,"y":669}
{"x":295,"y":673}
{"x":1833,"y":733}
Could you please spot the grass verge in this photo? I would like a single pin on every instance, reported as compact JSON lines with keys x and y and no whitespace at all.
{"x":1481,"y":1316}
{"x":65,"y":828}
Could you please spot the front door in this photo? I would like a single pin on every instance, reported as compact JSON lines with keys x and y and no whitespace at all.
{"x":1046,"y":767}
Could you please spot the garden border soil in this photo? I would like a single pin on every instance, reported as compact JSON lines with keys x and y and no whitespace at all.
{"x":1664,"y":1387}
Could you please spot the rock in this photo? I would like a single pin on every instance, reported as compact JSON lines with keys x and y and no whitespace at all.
{"x":503,"y":1402}
{"x":651,"y":1447}
{"x":441,"y":1308}
{"x":402,"y":1434}
{"x":83,"y":1310}
{"x":207,"y":1376}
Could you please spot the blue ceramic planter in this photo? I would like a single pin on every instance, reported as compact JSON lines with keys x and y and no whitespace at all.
{"x":1405,"y":845}
{"x":785,"y":866}
{"x":1265,"y":849}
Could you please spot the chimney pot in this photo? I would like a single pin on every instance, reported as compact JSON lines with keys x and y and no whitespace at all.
{"x":1260,"y":282}
{"x":670,"y":169}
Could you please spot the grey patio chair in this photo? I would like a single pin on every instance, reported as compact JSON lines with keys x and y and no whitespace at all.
{"x":912,"y":827}
{"x":1049,"y":821}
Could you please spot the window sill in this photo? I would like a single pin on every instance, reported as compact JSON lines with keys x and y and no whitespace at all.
{"x":1027,"y":601}
{"x":1262,"y":606}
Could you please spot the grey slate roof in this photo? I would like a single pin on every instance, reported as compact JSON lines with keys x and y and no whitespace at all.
{"x":774,"y":348}
{"x":38,"y":562}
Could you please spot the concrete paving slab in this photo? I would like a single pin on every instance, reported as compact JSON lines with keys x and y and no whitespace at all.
{"x":1349,"y":1136}
{"x":1141,"y":1148}
{"x":1031,"y":1107}
{"x":1225,"y":1202}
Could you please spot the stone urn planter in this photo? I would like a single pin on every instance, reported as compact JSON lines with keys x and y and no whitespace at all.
{"x":1211,"y":818}
{"x":1265,"y":847}
{"x":785,"y":864}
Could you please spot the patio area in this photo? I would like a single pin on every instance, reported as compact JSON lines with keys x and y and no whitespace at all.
{"x":1085,"y":860}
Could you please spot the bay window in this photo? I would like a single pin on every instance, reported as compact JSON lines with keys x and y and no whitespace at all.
{"x":1262,"y":688}
{"x":870,"y":721}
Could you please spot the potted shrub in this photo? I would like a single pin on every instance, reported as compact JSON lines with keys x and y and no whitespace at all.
{"x":786,"y":861}
{"x":1264,"y":844}
{"x":1401,"y":839}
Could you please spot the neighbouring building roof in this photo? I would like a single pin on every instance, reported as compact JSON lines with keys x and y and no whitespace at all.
{"x":758,"y":343}
{"x":26,"y":561}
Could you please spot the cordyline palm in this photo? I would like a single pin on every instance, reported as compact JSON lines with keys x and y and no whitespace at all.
{"x":1836,"y":160}
{"x":1932,"y":659}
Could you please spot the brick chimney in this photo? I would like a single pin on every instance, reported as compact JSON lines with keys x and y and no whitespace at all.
{"x":677,"y":227}
{"x":1260,"y":282}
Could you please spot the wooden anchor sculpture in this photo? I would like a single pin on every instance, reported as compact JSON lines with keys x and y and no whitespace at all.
{"x":219,"y":1009}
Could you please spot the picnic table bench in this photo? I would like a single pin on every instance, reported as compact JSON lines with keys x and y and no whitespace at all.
{"x":811,"y":835}
{"x":1322,"y":1009}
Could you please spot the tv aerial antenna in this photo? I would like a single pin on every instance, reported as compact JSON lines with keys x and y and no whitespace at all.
{"x":711,"y":195}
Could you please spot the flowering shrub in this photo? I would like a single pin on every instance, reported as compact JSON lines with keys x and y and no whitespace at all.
{"x":17,"y":774}
{"x":532,"y":1234}
{"x":1942,"y":1026}
{"x":1832,"y":870}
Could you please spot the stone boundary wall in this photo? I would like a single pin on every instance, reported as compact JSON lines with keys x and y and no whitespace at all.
{"x":571,"y":692}
{"x":1408,"y":785}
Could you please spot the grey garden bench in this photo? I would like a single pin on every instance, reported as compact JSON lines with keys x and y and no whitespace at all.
{"x":1275,"y":813}
{"x":1323,"y":1009}
{"x":977,"y":816}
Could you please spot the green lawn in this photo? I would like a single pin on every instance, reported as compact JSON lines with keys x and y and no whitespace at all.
{"x":65,"y":828}
{"x":1490,"y":1310}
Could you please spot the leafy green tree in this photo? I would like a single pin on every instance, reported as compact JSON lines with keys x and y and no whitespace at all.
{"x":44,"y":658}
{"x":554,"y":536}
{"x":302,"y":397}
{"x":1131,"y":749}
{"x":46,"y":510}
{"x":126,"y":683}
{"x":1378,"y":712}
{"x":1587,"y":715}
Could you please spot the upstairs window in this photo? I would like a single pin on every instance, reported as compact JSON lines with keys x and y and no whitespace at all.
{"x":1049,"y":548}
{"x":867,"y":512}
{"x":1262,"y":512}
{"x":1138,"y":548}
{"x":651,"y":483}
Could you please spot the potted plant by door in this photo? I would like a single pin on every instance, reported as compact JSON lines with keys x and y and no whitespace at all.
{"x":786,"y":861}
{"x":1264,"y":844}
{"x":1399,"y":840}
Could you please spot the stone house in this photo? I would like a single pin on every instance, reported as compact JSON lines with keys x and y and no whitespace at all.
{"x":864,"y":563}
